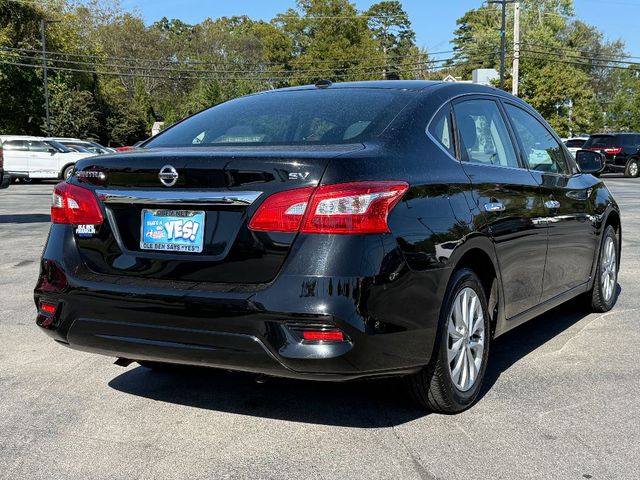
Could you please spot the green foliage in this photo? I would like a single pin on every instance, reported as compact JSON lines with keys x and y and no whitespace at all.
{"x":112,"y":76}
{"x":557,"y":73}
{"x":73,"y":111}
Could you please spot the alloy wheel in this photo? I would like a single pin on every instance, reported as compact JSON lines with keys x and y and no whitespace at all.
{"x":608,"y":268}
{"x":466,"y":338}
{"x":633,"y":168}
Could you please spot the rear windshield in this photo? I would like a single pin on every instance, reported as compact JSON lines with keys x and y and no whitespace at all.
{"x":602,"y":141}
{"x":575,"y":143}
{"x":302,"y":117}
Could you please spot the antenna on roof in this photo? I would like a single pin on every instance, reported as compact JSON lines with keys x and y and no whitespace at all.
{"x":324,"y":83}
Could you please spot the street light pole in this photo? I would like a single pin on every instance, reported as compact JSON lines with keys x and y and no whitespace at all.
{"x":503,"y":34}
{"x":43,"y":25}
{"x":516,"y":49}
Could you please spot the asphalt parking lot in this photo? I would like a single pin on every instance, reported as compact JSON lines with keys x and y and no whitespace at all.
{"x":561,"y":400}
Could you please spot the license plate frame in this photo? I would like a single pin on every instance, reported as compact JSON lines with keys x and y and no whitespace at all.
{"x":171,"y":230}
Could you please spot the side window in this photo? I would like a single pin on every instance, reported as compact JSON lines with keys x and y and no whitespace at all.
{"x":483,"y":135}
{"x":38,"y":147}
{"x":440,"y":129}
{"x":15,"y":145}
{"x":542,"y":151}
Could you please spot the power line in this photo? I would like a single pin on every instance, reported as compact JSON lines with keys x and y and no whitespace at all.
{"x":194,"y":75}
{"x":197,"y":62}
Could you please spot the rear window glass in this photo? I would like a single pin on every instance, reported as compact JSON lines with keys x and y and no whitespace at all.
{"x":303,"y":117}
{"x":575,"y":143}
{"x":600,"y":141}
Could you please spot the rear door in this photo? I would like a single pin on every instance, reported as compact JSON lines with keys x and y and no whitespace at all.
{"x":566,"y":198}
{"x":509,"y":196}
{"x":16,"y":156}
{"x":43,"y":162}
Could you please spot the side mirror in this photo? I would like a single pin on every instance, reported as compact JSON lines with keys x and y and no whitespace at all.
{"x":590,"y":162}
{"x":52,"y":151}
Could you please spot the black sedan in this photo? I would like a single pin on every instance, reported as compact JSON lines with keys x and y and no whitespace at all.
{"x":331,"y":232}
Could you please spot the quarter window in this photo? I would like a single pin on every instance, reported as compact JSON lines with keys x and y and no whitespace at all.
{"x":483,"y":134}
{"x":542,"y":151}
{"x":15,"y":145}
{"x":440,"y":129}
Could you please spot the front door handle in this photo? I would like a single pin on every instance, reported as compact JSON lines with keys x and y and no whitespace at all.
{"x":552,"y":204}
{"x":494,"y":207}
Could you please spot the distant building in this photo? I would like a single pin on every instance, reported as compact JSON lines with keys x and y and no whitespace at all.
{"x":480,"y":76}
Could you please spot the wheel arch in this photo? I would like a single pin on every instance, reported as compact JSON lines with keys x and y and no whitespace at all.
{"x":64,"y":167}
{"x":613,"y":219}
{"x":479,"y":256}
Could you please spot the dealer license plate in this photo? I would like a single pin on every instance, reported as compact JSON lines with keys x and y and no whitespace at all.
{"x":172,"y":230}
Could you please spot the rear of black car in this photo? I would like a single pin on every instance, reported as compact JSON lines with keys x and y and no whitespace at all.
{"x":220,"y":245}
{"x":621,"y":151}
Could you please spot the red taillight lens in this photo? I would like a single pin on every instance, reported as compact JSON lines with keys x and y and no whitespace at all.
{"x":75,"y":205}
{"x":282,"y":212}
{"x":613,"y":150}
{"x":323,"y":336}
{"x":347,"y":208}
{"x":1,"y":157}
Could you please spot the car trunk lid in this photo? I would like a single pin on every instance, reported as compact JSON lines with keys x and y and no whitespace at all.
{"x":217,"y":188}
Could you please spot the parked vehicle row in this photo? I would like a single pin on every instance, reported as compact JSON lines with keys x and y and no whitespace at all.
{"x":28,"y":158}
{"x":621,"y":150}
{"x":331,"y":232}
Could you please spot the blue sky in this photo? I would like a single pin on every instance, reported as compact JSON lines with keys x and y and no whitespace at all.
{"x":433,"y":20}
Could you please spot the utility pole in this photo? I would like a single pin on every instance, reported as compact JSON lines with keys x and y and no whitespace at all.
{"x":516,"y":48}
{"x":43,"y":24}
{"x":503,"y":34}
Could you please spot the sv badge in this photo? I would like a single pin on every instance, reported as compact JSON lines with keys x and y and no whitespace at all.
{"x":298,"y":175}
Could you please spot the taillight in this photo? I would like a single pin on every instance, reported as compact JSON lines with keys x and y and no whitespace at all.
{"x":1,"y":157}
{"x":613,"y":150}
{"x":74,"y":205}
{"x":347,"y":208}
{"x":282,"y":212}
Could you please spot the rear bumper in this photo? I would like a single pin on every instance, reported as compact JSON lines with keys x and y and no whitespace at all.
{"x":390,"y":325}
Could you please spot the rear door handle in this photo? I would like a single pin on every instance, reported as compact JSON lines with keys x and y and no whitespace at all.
{"x":552,"y":204}
{"x":494,"y":207}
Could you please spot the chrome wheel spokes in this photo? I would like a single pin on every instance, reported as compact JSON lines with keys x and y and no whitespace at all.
{"x":465,"y":338}
{"x":608,"y":269}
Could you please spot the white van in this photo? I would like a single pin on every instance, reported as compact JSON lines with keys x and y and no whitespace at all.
{"x":28,"y":158}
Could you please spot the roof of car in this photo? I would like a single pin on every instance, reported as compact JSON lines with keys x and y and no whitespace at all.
{"x":5,"y":138}
{"x":611,"y":134}
{"x":407,"y":85}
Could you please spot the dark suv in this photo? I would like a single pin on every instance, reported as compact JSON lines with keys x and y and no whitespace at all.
{"x":331,"y":232}
{"x":621,"y":150}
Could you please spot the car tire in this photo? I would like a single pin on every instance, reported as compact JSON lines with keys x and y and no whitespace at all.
{"x":442,"y":386}
{"x":66,"y":172}
{"x":603,"y":293}
{"x":632,"y":170}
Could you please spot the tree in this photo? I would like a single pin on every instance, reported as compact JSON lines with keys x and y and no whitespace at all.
{"x":331,"y":39}
{"x":73,"y":111}
{"x":565,"y":70}
{"x":392,"y":30}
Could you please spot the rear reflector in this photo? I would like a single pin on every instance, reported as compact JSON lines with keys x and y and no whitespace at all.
{"x":74,"y":205}
{"x":347,"y":208}
{"x":323,"y":336}
{"x":47,"y":308}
